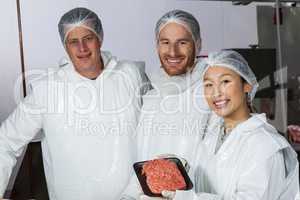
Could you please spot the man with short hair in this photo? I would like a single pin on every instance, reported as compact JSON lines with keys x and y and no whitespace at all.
{"x":87,"y":110}
{"x":174,"y":117}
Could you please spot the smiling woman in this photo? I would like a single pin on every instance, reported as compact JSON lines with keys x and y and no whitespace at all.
{"x":226,"y":93}
{"x":242,"y":156}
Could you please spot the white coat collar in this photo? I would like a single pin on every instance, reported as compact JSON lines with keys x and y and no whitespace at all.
{"x":255,"y":121}
{"x":109,"y":62}
{"x":260,"y":120}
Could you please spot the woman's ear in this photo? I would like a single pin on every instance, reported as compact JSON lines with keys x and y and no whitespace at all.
{"x":247,"y":87}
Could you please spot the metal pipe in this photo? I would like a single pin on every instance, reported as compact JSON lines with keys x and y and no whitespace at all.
{"x":279,"y":50}
{"x":21,"y":47}
{"x":27,"y":160}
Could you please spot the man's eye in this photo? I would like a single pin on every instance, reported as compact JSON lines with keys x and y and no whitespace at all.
{"x":89,"y":38}
{"x":164,"y":42}
{"x":73,"y":42}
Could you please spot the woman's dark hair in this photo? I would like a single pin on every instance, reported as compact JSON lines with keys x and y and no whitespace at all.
{"x":249,"y":103}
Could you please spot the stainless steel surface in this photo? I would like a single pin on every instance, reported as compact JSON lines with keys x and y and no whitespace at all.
{"x":278,"y":20}
{"x":290,"y":40}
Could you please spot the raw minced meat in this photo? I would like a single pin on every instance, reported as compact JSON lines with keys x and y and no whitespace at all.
{"x":162,"y":174}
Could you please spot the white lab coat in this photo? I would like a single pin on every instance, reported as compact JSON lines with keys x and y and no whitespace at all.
{"x":174,"y":116}
{"x":254,"y":163}
{"x":88,"y":144}
{"x":173,"y":119}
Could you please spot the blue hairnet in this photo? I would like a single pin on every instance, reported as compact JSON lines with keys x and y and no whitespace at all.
{"x":185,"y":19}
{"x":79,"y":17}
{"x":236,"y":62}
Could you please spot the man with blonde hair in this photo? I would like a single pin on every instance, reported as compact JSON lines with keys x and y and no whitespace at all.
{"x":87,"y":110}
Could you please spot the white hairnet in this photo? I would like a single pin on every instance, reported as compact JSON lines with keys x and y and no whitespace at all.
{"x":236,"y":62}
{"x":185,"y":19}
{"x":79,"y":17}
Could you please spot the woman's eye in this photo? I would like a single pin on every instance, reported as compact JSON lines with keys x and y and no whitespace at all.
{"x":226,"y":81}
{"x":207,"y":85}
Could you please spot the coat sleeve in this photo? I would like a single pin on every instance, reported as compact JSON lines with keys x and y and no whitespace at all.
{"x":16,"y":132}
{"x":262,"y":181}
